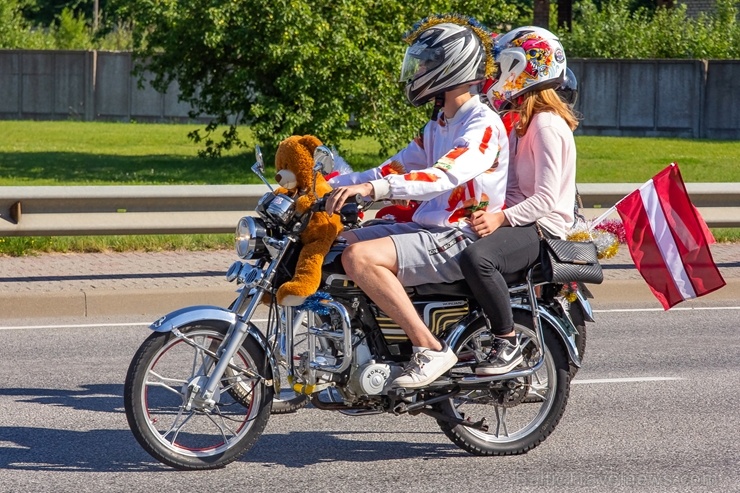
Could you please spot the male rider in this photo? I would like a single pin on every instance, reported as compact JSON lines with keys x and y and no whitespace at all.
{"x":456,"y":166}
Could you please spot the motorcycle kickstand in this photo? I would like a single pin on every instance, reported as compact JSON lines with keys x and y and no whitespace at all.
{"x":481,"y":425}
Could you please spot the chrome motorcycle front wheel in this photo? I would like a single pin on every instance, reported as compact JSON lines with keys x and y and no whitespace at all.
{"x":169,"y":418}
{"x":516,"y":423}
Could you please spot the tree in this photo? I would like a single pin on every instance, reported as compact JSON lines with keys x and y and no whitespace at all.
{"x":289,"y":67}
{"x":541,"y":13}
{"x":12,"y":23}
{"x":565,"y":14}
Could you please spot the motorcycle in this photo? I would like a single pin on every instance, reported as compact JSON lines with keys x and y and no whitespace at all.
{"x":200,"y":389}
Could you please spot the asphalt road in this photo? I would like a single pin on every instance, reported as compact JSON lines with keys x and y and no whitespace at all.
{"x":654,"y":409}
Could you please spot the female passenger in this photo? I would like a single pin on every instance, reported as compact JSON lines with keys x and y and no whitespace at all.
{"x":541,"y":184}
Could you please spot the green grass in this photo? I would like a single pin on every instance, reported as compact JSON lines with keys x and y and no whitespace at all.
{"x":96,"y":153}
{"x":635,"y":160}
{"x":27,"y":245}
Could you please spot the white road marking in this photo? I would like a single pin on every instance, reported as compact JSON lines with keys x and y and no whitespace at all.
{"x":140,"y":324}
{"x":625,"y":380}
{"x":626,"y":310}
{"x":92,"y":326}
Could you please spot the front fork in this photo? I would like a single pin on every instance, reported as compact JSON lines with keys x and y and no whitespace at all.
{"x":257,"y":284}
{"x":235,"y":337}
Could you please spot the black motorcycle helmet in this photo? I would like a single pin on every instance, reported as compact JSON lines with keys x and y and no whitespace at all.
{"x":568,"y":89}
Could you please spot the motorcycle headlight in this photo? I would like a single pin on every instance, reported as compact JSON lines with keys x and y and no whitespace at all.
{"x":248,"y":239}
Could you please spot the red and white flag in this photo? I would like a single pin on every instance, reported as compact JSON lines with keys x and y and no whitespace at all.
{"x":668,"y":239}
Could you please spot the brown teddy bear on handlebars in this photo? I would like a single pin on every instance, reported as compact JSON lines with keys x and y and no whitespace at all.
{"x":295,"y":174}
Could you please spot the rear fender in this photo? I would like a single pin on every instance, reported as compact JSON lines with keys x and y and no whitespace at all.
{"x":563,"y":328}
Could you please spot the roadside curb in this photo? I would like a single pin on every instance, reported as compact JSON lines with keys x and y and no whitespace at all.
{"x":96,"y":302}
{"x":636,"y":293}
{"x":155,"y":302}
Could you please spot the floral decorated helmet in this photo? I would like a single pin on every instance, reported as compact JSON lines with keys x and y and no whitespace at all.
{"x":527,"y":58}
{"x":444,"y":52}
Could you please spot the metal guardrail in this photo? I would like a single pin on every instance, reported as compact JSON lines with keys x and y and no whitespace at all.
{"x":187,"y":209}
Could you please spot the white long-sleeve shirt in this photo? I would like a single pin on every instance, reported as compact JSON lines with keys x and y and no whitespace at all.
{"x":456,"y":167}
{"x":542,"y":175}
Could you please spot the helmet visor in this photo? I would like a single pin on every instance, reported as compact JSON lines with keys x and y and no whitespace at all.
{"x":420,"y":59}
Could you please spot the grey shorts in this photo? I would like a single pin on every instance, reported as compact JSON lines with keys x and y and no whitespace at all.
{"x":425,"y":255}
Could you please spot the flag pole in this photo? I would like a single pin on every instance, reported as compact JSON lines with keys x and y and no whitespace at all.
{"x":611,"y":209}
{"x":602,"y":217}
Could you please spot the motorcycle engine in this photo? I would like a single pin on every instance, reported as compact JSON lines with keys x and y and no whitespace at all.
{"x":371,"y":378}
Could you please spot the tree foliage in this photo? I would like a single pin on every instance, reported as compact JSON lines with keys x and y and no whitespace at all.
{"x":619,"y":30}
{"x":289,"y":66}
{"x":13,"y":25}
{"x":59,"y":25}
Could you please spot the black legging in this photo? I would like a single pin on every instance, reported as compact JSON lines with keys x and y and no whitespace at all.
{"x":505,"y":251}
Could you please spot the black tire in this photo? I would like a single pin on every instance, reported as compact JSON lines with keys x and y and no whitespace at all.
{"x":156,"y":391}
{"x":579,"y":320}
{"x":546,"y":412}
{"x":285,"y":404}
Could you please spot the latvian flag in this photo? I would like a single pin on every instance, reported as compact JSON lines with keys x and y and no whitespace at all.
{"x":668,"y":239}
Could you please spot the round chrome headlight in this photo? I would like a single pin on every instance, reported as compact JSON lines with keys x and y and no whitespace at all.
{"x":248,"y":239}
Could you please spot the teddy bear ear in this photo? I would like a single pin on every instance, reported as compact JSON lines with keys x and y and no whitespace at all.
{"x":310,"y":142}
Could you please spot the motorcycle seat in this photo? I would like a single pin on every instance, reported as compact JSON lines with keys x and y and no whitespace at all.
{"x":461,"y":288}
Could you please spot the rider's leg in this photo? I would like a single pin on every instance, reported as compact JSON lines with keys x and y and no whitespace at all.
{"x":373,"y":265}
{"x":507,"y":250}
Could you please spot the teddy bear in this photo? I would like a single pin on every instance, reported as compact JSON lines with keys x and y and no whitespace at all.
{"x":295,"y":175}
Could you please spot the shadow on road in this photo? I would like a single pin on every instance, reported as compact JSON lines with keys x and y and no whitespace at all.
{"x":39,"y":448}
{"x":93,"y":397}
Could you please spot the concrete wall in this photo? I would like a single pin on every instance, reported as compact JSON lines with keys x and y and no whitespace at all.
{"x":656,"y":98}
{"x":80,"y":85}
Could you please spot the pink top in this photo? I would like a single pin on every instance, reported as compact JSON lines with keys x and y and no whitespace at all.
{"x":542,"y":175}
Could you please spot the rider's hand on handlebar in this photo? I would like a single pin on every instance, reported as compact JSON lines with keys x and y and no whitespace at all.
{"x":339,"y":196}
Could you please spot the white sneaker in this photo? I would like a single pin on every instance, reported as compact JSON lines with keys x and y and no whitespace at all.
{"x":425,"y":367}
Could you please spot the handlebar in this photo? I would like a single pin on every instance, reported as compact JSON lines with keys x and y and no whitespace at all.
{"x":356,"y":201}
{"x":350,"y":211}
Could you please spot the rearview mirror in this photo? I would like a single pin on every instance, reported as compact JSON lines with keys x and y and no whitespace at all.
{"x":260,"y":161}
{"x":258,"y":168}
{"x":323,"y":160}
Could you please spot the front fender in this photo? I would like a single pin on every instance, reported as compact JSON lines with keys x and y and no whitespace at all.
{"x":207,"y":313}
{"x":190,"y":314}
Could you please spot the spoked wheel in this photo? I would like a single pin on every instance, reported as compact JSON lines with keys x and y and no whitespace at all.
{"x":167,"y":414}
{"x":516,"y":424}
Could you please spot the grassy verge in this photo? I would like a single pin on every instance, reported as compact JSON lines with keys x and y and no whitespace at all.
{"x":96,"y":153}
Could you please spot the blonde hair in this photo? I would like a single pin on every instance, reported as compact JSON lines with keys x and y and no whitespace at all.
{"x":539,"y":101}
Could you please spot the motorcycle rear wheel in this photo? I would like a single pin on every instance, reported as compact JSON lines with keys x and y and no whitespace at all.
{"x":517,"y":423}
{"x":158,"y":391}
